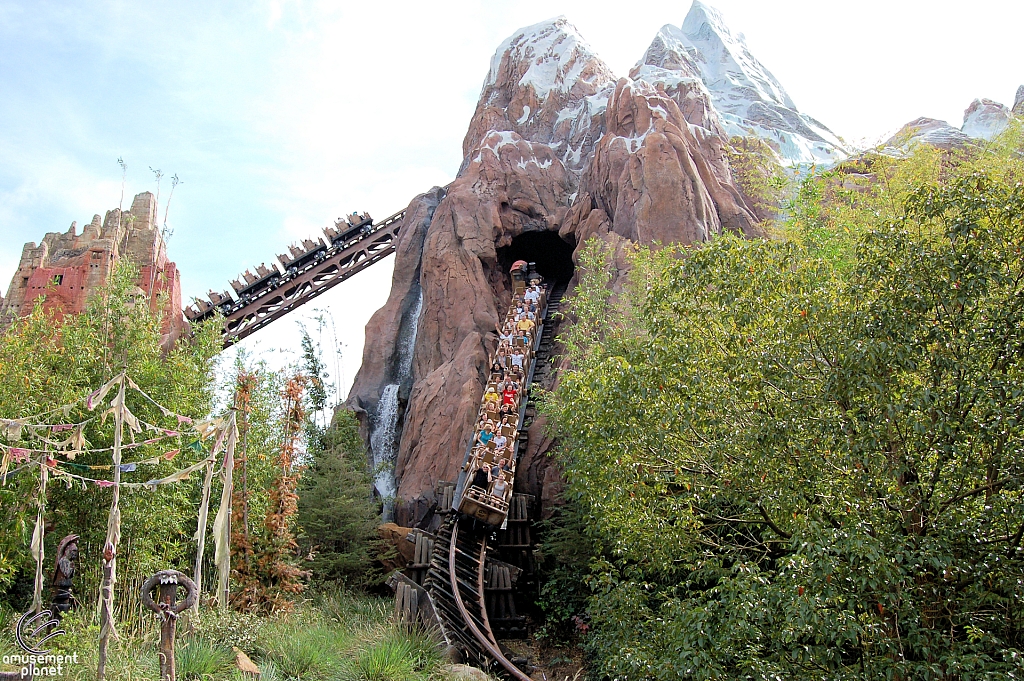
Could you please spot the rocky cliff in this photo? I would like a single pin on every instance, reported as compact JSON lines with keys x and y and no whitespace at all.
{"x":984,"y":119}
{"x":559,"y":150}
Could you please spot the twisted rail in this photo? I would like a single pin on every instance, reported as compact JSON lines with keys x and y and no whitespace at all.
{"x":484,"y":637}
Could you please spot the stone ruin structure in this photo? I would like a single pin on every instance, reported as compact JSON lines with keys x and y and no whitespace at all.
{"x":68,"y":268}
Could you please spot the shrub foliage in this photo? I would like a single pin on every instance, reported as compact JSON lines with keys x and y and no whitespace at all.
{"x":802,"y":458}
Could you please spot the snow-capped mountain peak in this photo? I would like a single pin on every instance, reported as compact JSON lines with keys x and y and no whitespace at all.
{"x":724,"y":59}
{"x":546,"y":84}
{"x":745,"y":94}
{"x":553,"y":51}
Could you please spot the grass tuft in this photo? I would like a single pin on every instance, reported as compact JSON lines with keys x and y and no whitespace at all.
{"x":199,"y":660}
{"x":394,"y":657}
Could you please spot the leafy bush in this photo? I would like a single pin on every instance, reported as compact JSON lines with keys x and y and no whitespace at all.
{"x":803,"y":458}
{"x":229,"y":628}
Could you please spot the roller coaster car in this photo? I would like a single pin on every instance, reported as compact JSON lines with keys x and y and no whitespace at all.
{"x":349,"y":228}
{"x":198,"y":309}
{"x":487,"y":508}
{"x":476,"y":502}
{"x":297,"y":258}
{"x":221,"y":300}
{"x":254,"y":284}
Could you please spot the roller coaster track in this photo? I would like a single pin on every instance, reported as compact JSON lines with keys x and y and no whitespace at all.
{"x":455,"y":579}
{"x":455,"y":584}
{"x":315,"y":269}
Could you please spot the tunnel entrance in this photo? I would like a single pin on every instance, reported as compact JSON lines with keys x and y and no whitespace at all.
{"x":552,"y":254}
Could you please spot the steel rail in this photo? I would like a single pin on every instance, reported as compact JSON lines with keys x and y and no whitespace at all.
{"x":488,"y":642}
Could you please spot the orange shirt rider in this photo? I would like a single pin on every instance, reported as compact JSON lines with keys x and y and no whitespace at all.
{"x":525,"y":325}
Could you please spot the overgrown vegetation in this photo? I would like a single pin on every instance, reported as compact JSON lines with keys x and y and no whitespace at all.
{"x":287,"y":460}
{"x":802,"y":457}
{"x":757,"y":172}
{"x":336,"y":635}
{"x":45,"y":363}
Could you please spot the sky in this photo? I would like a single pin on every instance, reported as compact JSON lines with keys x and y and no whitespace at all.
{"x":279,"y":116}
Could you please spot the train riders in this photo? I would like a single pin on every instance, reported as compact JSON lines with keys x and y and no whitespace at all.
{"x":499,"y":486}
{"x":508,"y":395}
{"x":517,"y":359}
{"x":481,"y":478}
{"x":486,"y":435}
{"x":504,"y":334}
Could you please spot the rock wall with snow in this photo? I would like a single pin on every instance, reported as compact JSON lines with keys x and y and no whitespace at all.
{"x":984,"y":119}
{"x":558,"y":147}
{"x":705,"y":60}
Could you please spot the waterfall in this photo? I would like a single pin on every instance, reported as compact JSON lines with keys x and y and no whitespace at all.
{"x":382,"y":444}
{"x":408,"y":344}
{"x":384,"y":438}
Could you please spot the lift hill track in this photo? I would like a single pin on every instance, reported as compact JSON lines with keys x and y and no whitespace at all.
{"x":300,"y":275}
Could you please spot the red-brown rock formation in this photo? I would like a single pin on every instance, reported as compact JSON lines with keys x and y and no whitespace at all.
{"x":655,"y":179}
{"x":556,"y":146}
{"x":68,"y":268}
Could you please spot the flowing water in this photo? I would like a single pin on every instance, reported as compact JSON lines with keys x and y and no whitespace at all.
{"x":384,"y":438}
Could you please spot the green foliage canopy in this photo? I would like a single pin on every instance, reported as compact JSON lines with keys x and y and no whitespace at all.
{"x":802,"y":458}
{"x":46,"y":363}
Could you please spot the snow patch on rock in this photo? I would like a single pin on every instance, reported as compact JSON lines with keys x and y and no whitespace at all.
{"x":923,"y":130}
{"x":984,"y":119}
{"x":746,"y":97}
{"x":555,"y":51}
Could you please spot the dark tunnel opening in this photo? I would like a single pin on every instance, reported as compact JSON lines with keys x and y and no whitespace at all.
{"x":552,"y":255}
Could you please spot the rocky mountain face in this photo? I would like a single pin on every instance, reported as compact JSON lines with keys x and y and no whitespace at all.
{"x":983,"y":120}
{"x":559,"y":150}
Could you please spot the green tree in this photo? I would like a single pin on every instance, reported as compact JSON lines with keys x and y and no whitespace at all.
{"x":337,"y":513}
{"x":46,"y":362}
{"x":802,"y":458}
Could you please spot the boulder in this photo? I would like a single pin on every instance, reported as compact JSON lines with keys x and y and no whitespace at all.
{"x":464,"y":672}
{"x":244,"y":664}
{"x":395,"y":536}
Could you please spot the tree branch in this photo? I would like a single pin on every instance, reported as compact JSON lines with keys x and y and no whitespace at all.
{"x":775,"y":528}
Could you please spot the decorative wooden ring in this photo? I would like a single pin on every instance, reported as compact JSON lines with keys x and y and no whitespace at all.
{"x":169,"y":577}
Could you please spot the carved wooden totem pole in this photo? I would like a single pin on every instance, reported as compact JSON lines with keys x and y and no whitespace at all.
{"x":63,"y":573}
{"x":168,"y":582}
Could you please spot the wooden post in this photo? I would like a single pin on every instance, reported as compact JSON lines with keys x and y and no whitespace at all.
{"x":112,"y":540}
{"x":168,"y":582}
